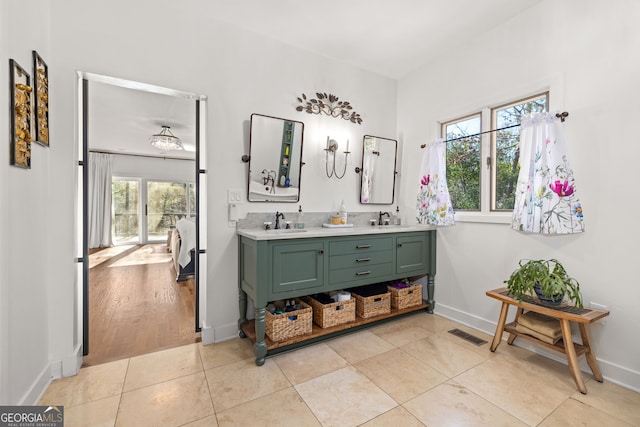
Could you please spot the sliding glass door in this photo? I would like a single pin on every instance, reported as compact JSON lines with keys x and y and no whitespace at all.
{"x":167,"y":202}
{"x":163,"y":203}
{"x":125,"y":201}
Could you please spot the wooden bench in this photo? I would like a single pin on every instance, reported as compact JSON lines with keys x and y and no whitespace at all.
{"x":565,"y":314}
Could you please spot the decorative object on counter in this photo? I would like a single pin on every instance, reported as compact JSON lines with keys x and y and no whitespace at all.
{"x":378,"y":180}
{"x":342,"y":213}
{"x":332,"y":149}
{"x":20,"y":92}
{"x":275,"y":159}
{"x":330,"y":105}
{"x":166,"y":140}
{"x":300,"y":218}
{"x":433,"y":202}
{"x":545,"y":197}
{"x":41,"y":99}
{"x":548,"y":279}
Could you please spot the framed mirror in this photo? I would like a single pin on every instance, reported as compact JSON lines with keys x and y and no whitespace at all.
{"x":378,"y":172}
{"x":275,"y":162}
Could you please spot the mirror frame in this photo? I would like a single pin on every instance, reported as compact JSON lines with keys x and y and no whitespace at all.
{"x":275,"y":183}
{"x":395,"y":172}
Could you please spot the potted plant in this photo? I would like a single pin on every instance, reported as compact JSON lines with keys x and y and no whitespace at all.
{"x":547,"y":278}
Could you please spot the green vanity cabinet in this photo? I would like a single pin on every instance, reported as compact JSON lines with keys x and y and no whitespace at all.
{"x":283,"y":267}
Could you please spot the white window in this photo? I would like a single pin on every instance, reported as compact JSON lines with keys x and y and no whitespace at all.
{"x":483,"y":155}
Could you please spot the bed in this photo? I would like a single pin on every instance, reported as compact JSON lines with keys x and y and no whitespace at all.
{"x":182,"y":244}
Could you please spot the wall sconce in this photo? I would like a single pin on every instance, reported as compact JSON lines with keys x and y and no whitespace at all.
{"x":332,"y":149}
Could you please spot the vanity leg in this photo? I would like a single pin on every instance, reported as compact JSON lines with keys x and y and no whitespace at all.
{"x":260,"y":347}
{"x":430,"y":289}
{"x":242,"y":303}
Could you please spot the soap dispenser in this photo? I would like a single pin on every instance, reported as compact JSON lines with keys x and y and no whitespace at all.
{"x":300,"y":218}
{"x":396,"y":217}
{"x":342,"y":213}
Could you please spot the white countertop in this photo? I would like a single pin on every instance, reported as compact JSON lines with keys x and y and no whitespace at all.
{"x":305,"y":233}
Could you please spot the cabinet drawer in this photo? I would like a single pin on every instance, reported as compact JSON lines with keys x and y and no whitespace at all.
{"x":361,"y":273}
{"x":360,"y":245}
{"x":360,"y":259}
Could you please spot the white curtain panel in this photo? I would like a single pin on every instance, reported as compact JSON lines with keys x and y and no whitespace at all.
{"x":545,"y":199}
{"x":100,"y":200}
{"x":434,"y":203}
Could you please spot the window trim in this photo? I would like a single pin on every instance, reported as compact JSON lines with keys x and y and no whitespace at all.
{"x":553,"y":86}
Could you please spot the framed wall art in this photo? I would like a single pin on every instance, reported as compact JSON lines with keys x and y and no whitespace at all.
{"x":40,"y":100}
{"x":20,"y":107}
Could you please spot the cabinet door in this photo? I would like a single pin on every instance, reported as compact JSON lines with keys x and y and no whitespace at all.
{"x":297,"y":266}
{"x":411,"y":254}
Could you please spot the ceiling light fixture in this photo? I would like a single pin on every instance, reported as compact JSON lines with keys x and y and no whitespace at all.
{"x":165,"y":140}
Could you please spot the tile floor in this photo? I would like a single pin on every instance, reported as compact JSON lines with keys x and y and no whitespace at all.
{"x":408,"y":372}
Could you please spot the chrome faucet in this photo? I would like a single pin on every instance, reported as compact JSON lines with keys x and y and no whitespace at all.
{"x":278,"y":216}
{"x":269,"y":178}
{"x":381,"y":215}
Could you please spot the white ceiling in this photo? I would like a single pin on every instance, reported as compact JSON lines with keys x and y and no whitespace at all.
{"x":391,"y":38}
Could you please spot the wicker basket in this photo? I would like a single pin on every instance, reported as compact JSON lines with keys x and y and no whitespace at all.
{"x":374,"y":305}
{"x":337,"y":313}
{"x":405,"y":297}
{"x":280,"y":327}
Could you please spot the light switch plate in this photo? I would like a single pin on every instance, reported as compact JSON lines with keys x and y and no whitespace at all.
{"x":234,"y":196}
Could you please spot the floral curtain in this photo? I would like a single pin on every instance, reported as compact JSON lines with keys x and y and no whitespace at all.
{"x":545,"y":198}
{"x":434,"y":203}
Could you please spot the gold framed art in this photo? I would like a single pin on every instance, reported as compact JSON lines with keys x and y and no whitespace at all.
{"x":40,"y":100}
{"x":20,"y":90}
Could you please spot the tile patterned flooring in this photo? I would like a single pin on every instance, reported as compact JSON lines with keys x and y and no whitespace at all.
{"x":408,"y":372}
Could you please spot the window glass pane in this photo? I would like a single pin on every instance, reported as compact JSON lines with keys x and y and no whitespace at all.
{"x":192,"y":200}
{"x":506,"y":166}
{"x":463,"y":162}
{"x":166,"y":203}
{"x":124,"y":200}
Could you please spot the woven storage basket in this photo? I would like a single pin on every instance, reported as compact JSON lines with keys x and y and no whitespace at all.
{"x":337,"y":313}
{"x":374,"y":305}
{"x":280,"y":327}
{"x":405,"y":297}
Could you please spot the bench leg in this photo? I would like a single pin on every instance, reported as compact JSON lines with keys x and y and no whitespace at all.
{"x":501,"y":321}
{"x":512,"y":337}
{"x":590,"y":355}
{"x":572,"y":358}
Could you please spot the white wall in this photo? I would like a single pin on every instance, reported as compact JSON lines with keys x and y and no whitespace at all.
{"x":25,"y":219}
{"x":588,"y":53}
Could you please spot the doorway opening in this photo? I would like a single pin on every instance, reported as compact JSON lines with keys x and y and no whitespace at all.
{"x":138,"y":292}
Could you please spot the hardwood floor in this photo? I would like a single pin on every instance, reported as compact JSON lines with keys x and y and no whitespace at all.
{"x":136,"y":306}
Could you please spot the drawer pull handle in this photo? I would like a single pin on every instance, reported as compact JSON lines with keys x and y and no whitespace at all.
{"x":321,"y":251}
{"x":363,"y":273}
{"x":363,"y":246}
{"x":399,"y":245}
{"x":363,"y":260}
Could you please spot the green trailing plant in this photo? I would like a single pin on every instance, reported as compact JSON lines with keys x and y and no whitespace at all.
{"x":549,"y":276}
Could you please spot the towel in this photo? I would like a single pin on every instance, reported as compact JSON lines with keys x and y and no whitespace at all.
{"x":542,"y":337}
{"x":538,"y":325}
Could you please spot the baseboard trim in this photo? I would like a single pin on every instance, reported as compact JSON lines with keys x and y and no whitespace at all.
{"x":612,"y":372}
{"x":37,"y":389}
{"x":226,"y":332}
{"x":207,"y":334}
